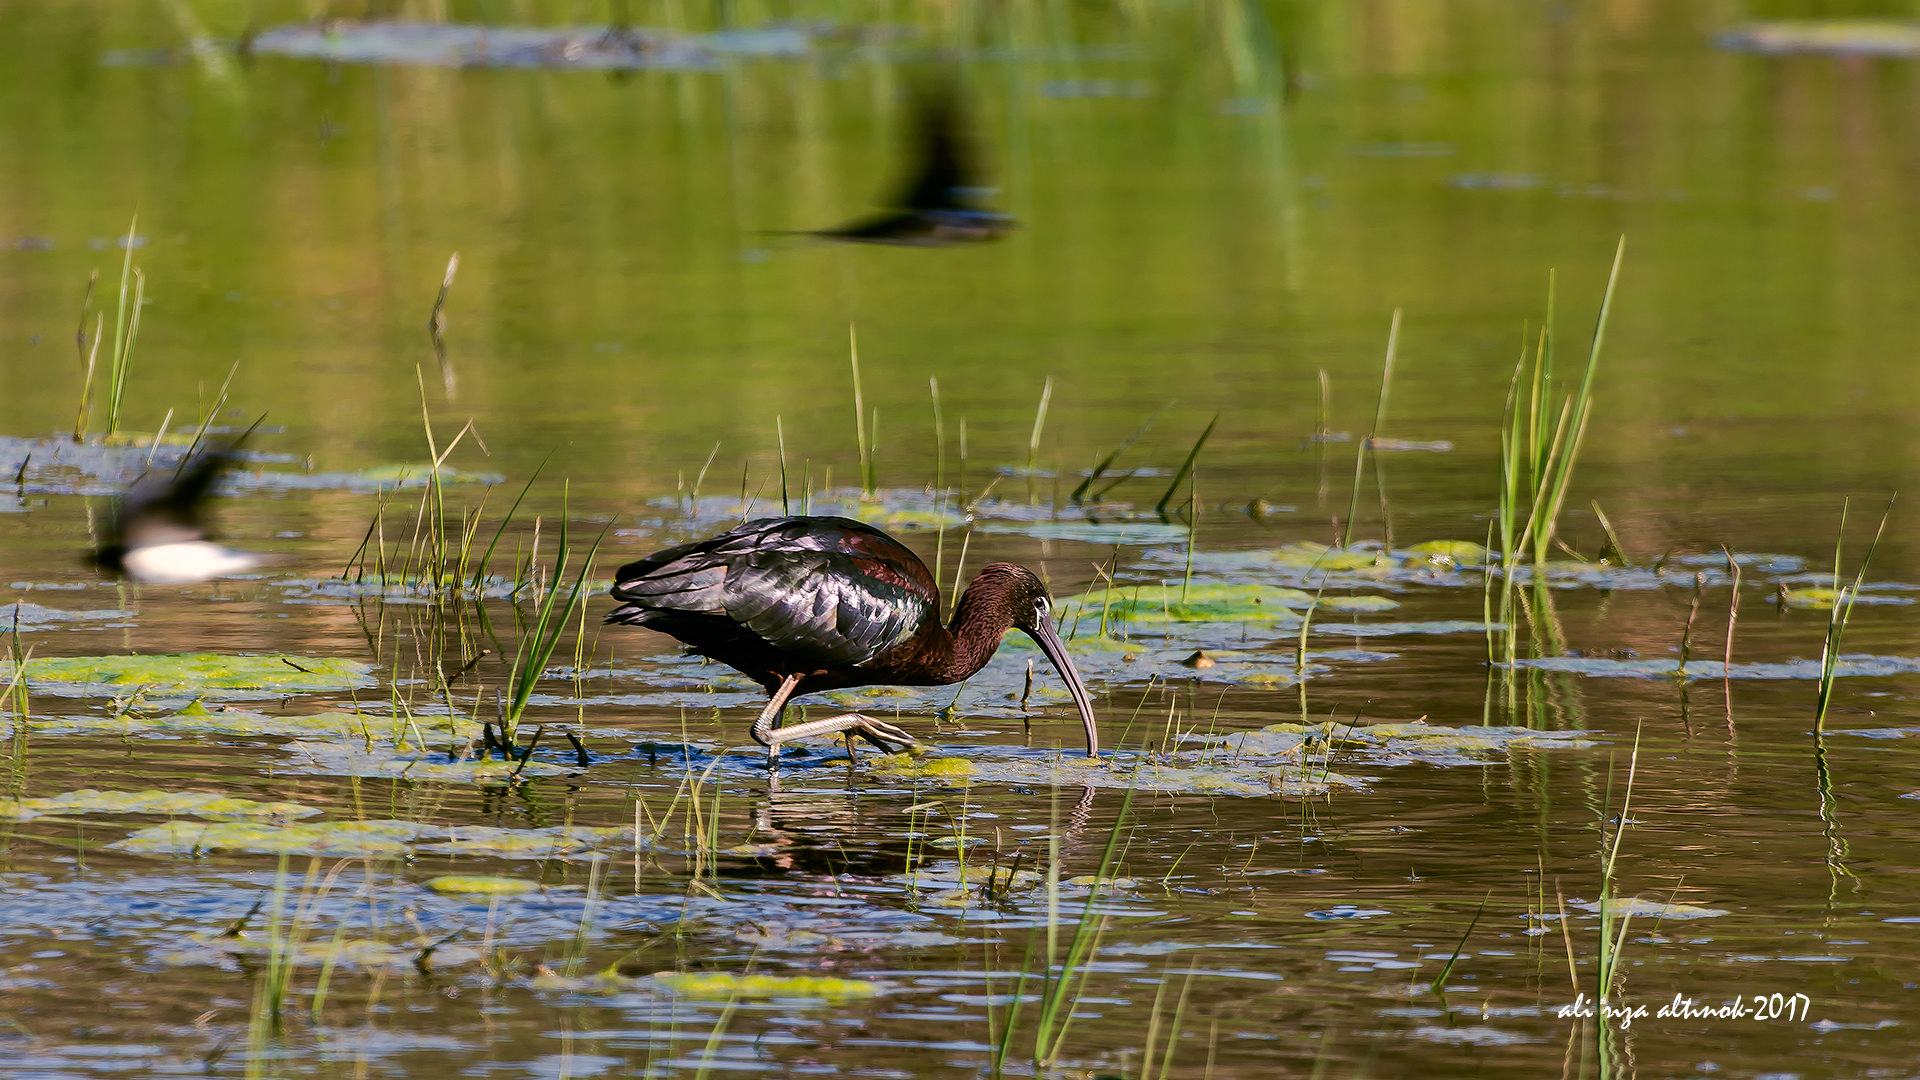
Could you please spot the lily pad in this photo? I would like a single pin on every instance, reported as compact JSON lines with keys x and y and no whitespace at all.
{"x":190,"y":803}
{"x":213,"y":674}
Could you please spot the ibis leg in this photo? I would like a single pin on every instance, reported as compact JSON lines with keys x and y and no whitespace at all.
{"x":768,"y":732}
{"x":887,"y":737}
{"x":767,"y":726}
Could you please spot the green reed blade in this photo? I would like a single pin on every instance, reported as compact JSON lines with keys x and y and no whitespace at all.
{"x":1186,"y":467}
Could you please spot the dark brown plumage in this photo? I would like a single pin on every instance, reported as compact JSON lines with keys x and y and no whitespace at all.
{"x":803,"y":604}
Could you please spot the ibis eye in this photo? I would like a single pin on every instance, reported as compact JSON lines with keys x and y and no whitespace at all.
{"x":1042,"y":608}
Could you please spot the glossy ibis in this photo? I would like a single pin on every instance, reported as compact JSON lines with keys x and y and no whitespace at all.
{"x":941,"y":202}
{"x":156,"y":535}
{"x":802,"y":604}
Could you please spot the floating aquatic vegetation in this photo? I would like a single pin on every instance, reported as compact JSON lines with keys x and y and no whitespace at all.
{"x":1390,"y":629}
{"x":550,"y":842}
{"x":902,"y":510}
{"x":60,"y":466}
{"x":1450,"y":553}
{"x":965,"y":885}
{"x":1857,"y":665}
{"x":210,"y":674}
{"x":817,"y":936}
{"x":716,"y":986}
{"x":458,"y":885}
{"x":372,"y":480}
{"x":1106,"y":533}
{"x":584,"y":47}
{"x":326,"y":838}
{"x":30,"y":616}
{"x":1161,"y":604}
{"x":1637,"y":907}
{"x":349,"y":759}
{"x":1317,"y":567}
{"x":197,"y":719}
{"x":1181,"y":772}
{"x":1395,"y":743}
{"x":1864,"y":37}
{"x":1822,"y":598}
{"x":1345,"y":911}
{"x":390,"y":587}
{"x":394,"y":839}
{"x":364,"y":954}
{"x":922,"y":767}
{"x":1759,"y":562}
{"x":189,"y":803}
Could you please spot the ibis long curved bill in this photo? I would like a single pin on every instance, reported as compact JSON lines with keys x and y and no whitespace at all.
{"x":1043,"y":634}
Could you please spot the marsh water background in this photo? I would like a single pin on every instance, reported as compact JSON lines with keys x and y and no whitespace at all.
{"x":1217,"y":202}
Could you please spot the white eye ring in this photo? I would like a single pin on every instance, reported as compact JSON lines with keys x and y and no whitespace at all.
{"x":1043,"y":607}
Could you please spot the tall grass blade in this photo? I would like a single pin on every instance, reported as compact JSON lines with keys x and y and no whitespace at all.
{"x":1033,"y":440}
{"x":124,"y":330}
{"x":1459,"y":948}
{"x":780,"y":433}
{"x":89,"y":352}
{"x":537,"y":648}
{"x":1842,"y":610}
{"x":1186,"y":467}
{"x":480,"y":570}
{"x":1379,"y":417}
{"x":860,"y":416}
{"x":1064,"y":986}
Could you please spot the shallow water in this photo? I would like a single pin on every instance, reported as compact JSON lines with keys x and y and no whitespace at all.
{"x":1217,"y":203}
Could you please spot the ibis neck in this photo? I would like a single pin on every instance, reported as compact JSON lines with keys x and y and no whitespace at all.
{"x":980,"y":620}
